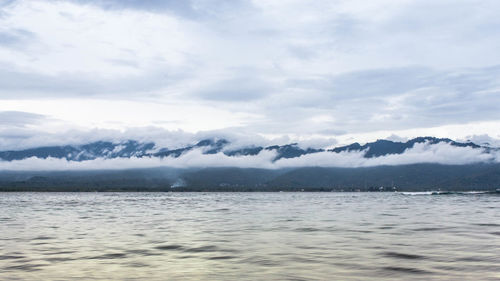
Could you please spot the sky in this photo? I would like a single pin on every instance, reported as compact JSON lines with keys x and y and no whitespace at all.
{"x":320,"y":72}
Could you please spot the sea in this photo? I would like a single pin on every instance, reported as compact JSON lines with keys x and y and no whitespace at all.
{"x":249,"y":236}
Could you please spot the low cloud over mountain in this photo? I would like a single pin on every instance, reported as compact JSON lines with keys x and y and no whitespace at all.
{"x":221,"y":153}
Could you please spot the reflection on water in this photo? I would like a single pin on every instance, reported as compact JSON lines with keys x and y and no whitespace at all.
{"x":248,"y":236}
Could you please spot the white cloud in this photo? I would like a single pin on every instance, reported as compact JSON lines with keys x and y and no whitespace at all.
{"x":191,"y":159}
{"x":441,"y":153}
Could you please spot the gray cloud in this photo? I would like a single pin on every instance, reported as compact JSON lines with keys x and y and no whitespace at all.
{"x":183,"y":8}
{"x":4,"y":3}
{"x":236,"y":89}
{"x":67,"y":85}
{"x":15,"y":37}
{"x":398,"y":98}
{"x":16,"y":128}
{"x":190,"y":9}
{"x":483,"y":139}
{"x":19,"y":118}
{"x":396,"y":81}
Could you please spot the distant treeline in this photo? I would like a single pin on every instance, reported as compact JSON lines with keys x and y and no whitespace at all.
{"x":418,"y":177}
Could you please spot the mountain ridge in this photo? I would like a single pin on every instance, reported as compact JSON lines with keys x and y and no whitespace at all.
{"x":133,"y":148}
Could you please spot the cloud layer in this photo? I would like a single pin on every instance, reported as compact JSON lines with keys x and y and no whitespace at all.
{"x":441,"y":153}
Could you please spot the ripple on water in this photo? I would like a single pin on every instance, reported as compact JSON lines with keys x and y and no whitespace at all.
{"x":169,"y":247}
{"x":57,"y":259}
{"x":142,"y":252}
{"x":488,"y":224}
{"x":386,"y":227}
{"x":431,"y":228}
{"x":411,"y":270}
{"x":307,"y":229}
{"x":221,"y":258}
{"x":108,"y":256}
{"x":262,"y":262}
{"x":25,"y":267}
{"x":11,"y":257}
{"x":138,"y":264}
{"x":44,"y":238}
{"x":202,"y":249}
{"x":405,"y":256}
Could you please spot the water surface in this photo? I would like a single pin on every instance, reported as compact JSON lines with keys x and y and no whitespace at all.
{"x":249,"y":236}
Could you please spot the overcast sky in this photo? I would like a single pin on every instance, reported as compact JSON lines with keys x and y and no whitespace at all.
{"x":288,"y":69}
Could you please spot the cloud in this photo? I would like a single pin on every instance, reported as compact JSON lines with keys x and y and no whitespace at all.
{"x":19,"y":137}
{"x":72,"y":85}
{"x":183,"y":8}
{"x":15,"y":37}
{"x":19,"y":119}
{"x":236,"y":89}
{"x":190,"y":9}
{"x":288,"y":67}
{"x":402,"y":97}
{"x":483,"y":139}
{"x":396,"y":138}
{"x":441,"y":153}
{"x":191,"y":159}
{"x":17,"y":132}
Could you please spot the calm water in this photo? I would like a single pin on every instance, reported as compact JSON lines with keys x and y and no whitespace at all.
{"x":249,"y":236}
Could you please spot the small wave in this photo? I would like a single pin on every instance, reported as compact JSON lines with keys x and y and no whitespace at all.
{"x":141,"y":252}
{"x":43,"y":238}
{"x":187,"y":257}
{"x":386,"y":227}
{"x":487,"y":224}
{"x":406,"y":270}
{"x":307,"y":229}
{"x":108,"y":256}
{"x":25,"y":267}
{"x":60,"y":253}
{"x":57,"y":260}
{"x":431,"y":228}
{"x":471,"y":259}
{"x":11,"y":257}
{"x":221,"y":258}
{"x":202,"y":249}
{"x":137,"y":264}
{"x":402,"y":256}
{"x":416,"y":193}
{"x":445,"y":193}
{"x":169,"y":247}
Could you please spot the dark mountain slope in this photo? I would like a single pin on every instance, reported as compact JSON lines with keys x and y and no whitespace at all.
{"x":417,"y":177}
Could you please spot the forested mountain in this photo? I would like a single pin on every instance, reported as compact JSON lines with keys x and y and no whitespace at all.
{"x":132,"y":148}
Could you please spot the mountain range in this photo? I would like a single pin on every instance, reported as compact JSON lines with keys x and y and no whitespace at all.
{"x":482,"y":175}
{"x":132,"y":148}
